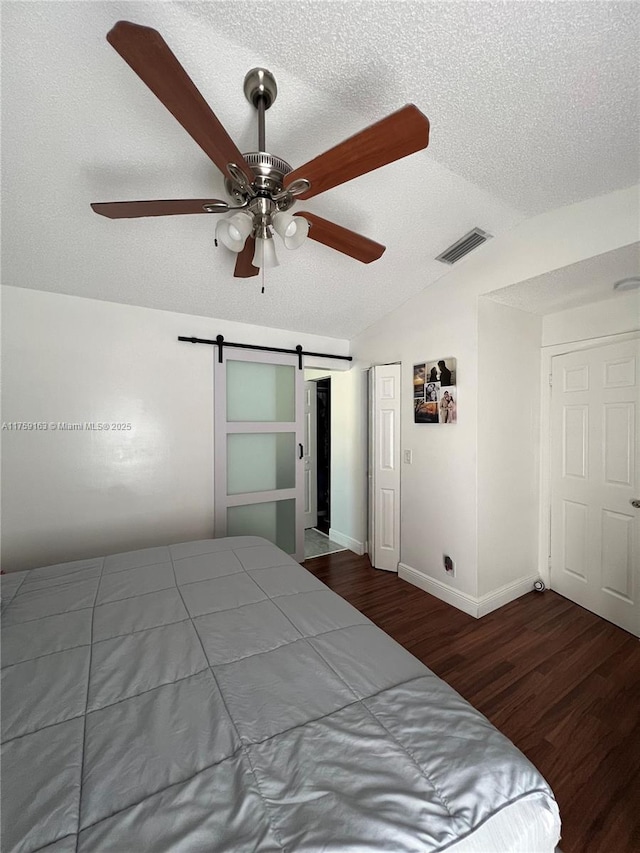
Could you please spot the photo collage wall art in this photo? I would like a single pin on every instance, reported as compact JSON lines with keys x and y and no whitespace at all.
{"x":435,"y":395}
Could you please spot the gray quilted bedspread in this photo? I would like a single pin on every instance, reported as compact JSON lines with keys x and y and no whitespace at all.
{"x":215,"y":696}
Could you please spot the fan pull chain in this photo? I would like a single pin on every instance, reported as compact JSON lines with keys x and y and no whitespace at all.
{"x":262,"y":291}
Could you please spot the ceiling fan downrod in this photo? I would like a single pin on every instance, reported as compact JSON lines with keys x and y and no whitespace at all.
{"x":264,"y":200}
{"x":260,"y":89}
{"x":269,"y":171}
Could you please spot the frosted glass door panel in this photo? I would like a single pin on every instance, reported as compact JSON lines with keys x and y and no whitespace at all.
{"x":260,"y":392}
{"x":275,"y":520}
{"x":260,"y":462}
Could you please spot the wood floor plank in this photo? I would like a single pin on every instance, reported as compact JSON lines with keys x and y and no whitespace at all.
{"x":559,"y":681}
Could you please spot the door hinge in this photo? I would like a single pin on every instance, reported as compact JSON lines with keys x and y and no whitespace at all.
{"x":551,"y":379}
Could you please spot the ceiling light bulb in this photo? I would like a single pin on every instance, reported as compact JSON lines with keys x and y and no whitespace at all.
{"x":269,"y":254}
{"x":292,"y":229}
{"x":233,"y":232}
{"x":265,"y":253}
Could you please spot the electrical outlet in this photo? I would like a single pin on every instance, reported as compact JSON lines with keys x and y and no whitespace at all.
{"x":449,"y":565}
{"x":408,"y":457}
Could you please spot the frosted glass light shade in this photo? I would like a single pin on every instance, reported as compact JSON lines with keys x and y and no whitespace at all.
{"x":265,"y":253}
{"x":292,"y":229}
{"x":233,"y":232}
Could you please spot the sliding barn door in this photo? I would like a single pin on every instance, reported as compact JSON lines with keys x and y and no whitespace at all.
{"x":258,"y":477}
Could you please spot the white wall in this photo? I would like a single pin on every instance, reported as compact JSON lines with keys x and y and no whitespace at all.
{"x":614,"y":316}
{"x":74,"y":494}
{"x":508,"y":444}
{"x":440,"y":488}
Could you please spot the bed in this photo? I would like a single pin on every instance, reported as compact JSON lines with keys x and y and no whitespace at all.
{"x":215,"y":696}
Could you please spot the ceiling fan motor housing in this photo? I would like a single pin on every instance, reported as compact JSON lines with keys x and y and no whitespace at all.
{"x":269,"y":172}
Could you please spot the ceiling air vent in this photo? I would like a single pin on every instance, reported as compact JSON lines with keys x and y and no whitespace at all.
{"x":464,"y":245}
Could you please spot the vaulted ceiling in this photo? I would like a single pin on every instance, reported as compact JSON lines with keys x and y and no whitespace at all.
{"x":533,"y":105}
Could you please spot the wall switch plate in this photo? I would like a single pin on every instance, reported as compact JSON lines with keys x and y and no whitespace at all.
{"x":408,"y":457}
{"x":449,"y":565}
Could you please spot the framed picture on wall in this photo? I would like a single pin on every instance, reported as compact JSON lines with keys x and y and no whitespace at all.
{"x":435,"y":394}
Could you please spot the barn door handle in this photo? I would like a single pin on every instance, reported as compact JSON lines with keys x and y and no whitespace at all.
{"x":300,"y":451}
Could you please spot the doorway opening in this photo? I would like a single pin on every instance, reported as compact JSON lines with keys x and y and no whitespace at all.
{"x":318,"y":482}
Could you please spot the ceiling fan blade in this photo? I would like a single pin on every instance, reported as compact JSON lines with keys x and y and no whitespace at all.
{"x":396,"y":136}
{"x":147,"y":53}
{"x":244,"y":263}
{"x":343,"y":240}
{"x":169,"y":207}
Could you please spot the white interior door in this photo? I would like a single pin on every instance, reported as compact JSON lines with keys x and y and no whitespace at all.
{"x":595,"y":453}
{"x":310,"y":454}
{"x":258,"y":477}
{"x":384,"y":466}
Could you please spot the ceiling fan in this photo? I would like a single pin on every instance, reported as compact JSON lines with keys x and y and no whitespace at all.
{"x":263,"y":187}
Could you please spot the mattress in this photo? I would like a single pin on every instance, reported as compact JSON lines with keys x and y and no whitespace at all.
{"x":214,"y":695}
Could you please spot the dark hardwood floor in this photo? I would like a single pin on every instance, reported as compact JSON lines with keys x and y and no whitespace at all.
{"x":563,"y":684}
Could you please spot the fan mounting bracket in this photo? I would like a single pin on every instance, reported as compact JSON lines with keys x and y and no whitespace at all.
{"x":260,"y":85}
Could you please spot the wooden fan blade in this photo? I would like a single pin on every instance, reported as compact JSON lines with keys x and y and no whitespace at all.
{"x":169,"y":207}
{"x":343,"y":240}
{"x":396,"y":136}
{"x":244,"y":264}
{"x":147,"y":53}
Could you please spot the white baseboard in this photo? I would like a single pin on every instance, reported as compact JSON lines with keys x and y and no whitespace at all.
{"x":471,"y":604}
{"x":347,"y":541}
{"x":509,"y":592}
{"x":461,"y":600}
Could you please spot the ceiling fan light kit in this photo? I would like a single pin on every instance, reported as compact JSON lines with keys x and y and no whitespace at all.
{"x":265,"y":253}
{"x":292,"y":229}
{"x":233,"y":232}
{"x":262,"y":187}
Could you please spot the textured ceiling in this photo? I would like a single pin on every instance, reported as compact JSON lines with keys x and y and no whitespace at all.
{"x":578,"y":284}
{"x":532,"y":106}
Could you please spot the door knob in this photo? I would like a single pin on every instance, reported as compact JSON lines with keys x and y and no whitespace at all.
{"x":635,"y":502}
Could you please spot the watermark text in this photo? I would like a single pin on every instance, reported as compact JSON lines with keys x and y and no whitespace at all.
{"x":66,"y":426}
